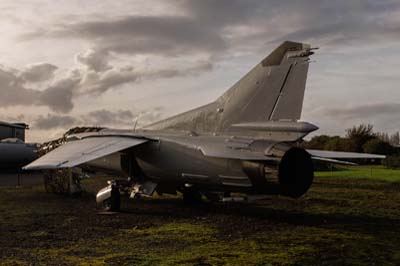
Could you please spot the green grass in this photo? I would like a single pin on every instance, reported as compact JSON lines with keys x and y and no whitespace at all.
{"x":341,"y":221}
{"x":367,"y":171}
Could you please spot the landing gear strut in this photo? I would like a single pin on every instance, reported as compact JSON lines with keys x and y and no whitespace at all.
{"x":191,"y":196}
{"x":110,"y":197}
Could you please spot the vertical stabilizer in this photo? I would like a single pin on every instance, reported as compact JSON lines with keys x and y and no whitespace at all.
{"x":272,"y":91}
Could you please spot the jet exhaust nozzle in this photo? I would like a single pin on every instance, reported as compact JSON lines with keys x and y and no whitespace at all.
{"x":292,"y":177}
{"x":296,"y":172}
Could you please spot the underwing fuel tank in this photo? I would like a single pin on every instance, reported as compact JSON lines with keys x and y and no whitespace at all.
{"x":292,"y":177}
{"x":15,"y":153}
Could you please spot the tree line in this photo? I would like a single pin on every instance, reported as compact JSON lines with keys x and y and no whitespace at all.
{"x":360,"y":138}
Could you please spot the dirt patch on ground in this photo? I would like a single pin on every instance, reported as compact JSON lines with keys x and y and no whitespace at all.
{"x":339,"y":222}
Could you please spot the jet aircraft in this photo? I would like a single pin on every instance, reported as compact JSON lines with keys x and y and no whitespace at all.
{"x":15,"y":153}
{"x":245,"y":141}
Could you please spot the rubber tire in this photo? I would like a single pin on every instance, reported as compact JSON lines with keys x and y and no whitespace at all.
{"x":191,"y":196}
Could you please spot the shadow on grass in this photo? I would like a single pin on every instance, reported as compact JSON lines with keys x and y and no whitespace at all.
{"x":175,"y":209}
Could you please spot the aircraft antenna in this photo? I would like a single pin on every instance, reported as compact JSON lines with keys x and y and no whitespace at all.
{"x":136,"y":121}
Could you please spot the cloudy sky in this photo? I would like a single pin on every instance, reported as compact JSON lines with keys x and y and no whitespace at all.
{"x":69,"y":63}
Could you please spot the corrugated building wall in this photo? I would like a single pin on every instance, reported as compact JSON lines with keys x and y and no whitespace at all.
{"x":8,"y":130}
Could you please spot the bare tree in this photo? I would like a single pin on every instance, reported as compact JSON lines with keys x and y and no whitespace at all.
{"x":359,"y":135}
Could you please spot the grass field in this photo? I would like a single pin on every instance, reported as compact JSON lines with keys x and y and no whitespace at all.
{"x":367,"y":172}
{"x":340,"y":221}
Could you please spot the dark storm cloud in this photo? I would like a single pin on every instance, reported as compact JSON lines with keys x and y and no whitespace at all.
{"x":102,"y":117}
{"x":339,"y":23}
{"x":164,"y":35}
{"x":58,"y":97}
{"x":14,"y":91}
{"x":374,"y":110}
{"x":209,"y":26}
{"x":200,"y":29}
{"x":223,"y":11}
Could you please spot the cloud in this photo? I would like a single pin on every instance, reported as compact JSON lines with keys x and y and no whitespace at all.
{"x":106,"y":117}
{"x":149,"y":116}
{"x":215,"y":27}
{"x":383,"y":115}
{"x":58,"y":96}
{"x":194,"y":70}
{"x":102,"y":117}
{"x":94,"y":60}
{"x":372,"y":110}
{"x":13,"y":118}
{"x":13,"y":90}
{"x":95,"y":76}
{"x":162,"y":35}
{"x":98,"y":82}
{"x":38,"y":72}
{"x":341,"y":24}
{"x":192,"y":36}
{"x":54,"y":121}
{"x":209,"y":29}
{"x":200,"y":27}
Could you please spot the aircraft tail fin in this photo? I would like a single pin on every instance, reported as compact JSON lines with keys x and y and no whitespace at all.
{"x":273,"y":90}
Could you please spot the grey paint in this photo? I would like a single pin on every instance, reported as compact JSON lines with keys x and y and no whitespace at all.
{"x":243,"y":141}
{"x":345,"y":155}
{"x":17,"y":154}
{"x":272,"y":90}
{"x":88,"y":149}
{"x":14,"y":153}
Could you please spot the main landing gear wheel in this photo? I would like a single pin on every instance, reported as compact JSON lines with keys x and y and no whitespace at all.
{"x":191,"y":196}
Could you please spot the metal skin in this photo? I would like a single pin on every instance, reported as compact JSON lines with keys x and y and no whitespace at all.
{"x":245,"y":141}
{"x":14,"y":155}
{"x":173,"y":166}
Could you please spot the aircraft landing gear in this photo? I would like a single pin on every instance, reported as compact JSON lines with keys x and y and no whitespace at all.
{"x":109,"y":197}
{"x":191,"y":196}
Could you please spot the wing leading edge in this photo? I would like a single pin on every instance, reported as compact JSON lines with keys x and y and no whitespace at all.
{"x":83,"y":150}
